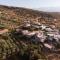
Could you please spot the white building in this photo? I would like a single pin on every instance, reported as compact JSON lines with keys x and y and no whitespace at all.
{"x":41,"y":36}
{"x":43,"y":27}
{"x":3,"y":31}
{"x":25,"y":32}
{"x":48,"y":45}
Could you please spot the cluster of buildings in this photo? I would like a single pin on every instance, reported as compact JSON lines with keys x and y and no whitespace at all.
{"x":37,"y":32}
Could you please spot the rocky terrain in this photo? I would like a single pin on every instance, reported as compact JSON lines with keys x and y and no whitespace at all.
{"x":27,"y":34}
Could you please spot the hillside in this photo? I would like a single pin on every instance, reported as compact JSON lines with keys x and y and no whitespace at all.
{"x":27,"y":34}
{"x":55,"y":14}
{"x":12,"y":17}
